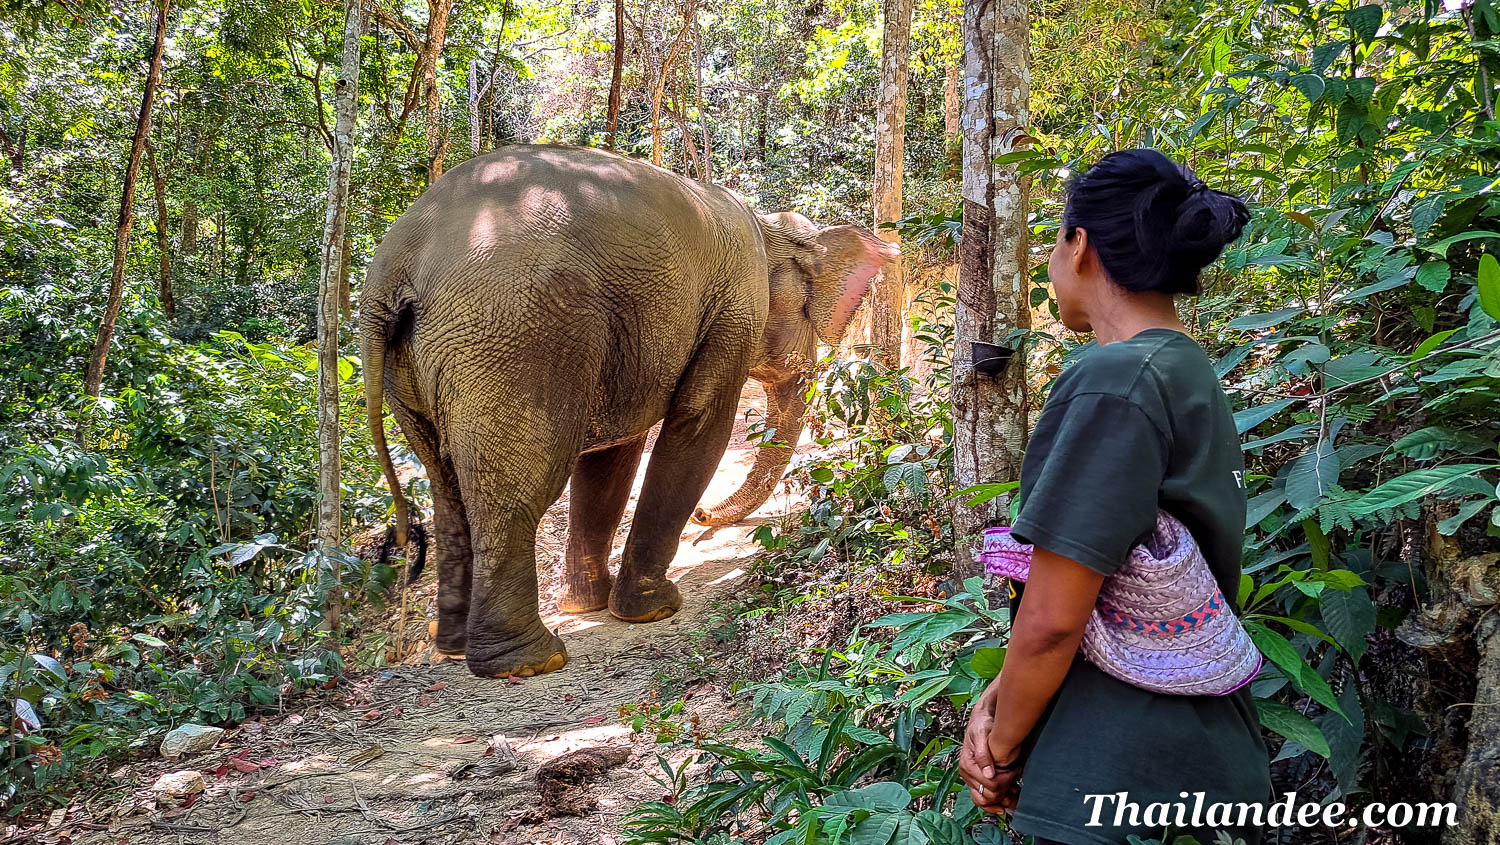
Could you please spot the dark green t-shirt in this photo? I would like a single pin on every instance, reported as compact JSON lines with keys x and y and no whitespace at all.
{"x":1133,"y":426}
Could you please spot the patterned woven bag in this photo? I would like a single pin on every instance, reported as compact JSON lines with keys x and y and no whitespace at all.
{"x":1161,"y":623}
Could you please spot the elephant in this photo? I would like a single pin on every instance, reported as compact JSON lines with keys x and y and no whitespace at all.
{"x":531,"y":317}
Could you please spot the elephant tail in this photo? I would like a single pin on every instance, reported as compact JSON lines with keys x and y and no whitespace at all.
{"x":374,"y":333}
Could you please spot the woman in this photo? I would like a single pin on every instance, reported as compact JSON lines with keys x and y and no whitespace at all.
{"x":1139,"y":423}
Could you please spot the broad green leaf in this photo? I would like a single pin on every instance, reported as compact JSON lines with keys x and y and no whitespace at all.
{"x":1295,"y":432}
{"x":1350,"y":617}
{"x":1262,"y":506}
{"x":1255,"y":415}
{"x":1280,"y":652}
{"x":1434,"y":275}
{"x":1311,"y":86}
{"x":1324,"y":54}
{"x":986,"y":662}
{"x":1318,"y":543}
{"x":887,"y":796}
{"x":1466,"y":511}
{"x":1283,"y":720}
{"x":52,"y":666}
{"x":1427,"y":443}
{"x":1264,"y":321}
{"x":1413,"y":485}
{"x":149,"y":640}
{"x":1431,"y":343}
{"x":1365,"y":21}
{"x":1312,"y":475}
{"x":1489,"y":285}
{"x":1441,"y":247}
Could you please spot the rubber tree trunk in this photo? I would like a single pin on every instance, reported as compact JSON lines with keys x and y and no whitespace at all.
{"x":93,"y":377}
{"x":163,"y":239}
{"x":612,"y":122}
{"x":330,"y":272}
{"x":990,"y":413}
{"x":889,"y":299}
{"x":785,"y":411}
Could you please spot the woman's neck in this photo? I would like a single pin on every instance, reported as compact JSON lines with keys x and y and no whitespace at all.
{"x":1129,"y":314}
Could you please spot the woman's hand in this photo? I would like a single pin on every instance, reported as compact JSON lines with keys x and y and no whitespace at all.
{"x":992,"y":787}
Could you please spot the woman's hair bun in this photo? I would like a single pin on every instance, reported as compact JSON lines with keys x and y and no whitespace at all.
{"x":1154,"y":224}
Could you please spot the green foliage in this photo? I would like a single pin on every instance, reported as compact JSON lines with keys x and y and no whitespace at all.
{"x":859,"y":749}
{"x":159,"y":576}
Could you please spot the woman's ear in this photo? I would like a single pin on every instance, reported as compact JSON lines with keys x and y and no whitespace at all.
{"x":1078,"y":255}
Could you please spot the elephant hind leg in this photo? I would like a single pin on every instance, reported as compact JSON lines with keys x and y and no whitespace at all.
{"x":509,"y":477}
{"x":455,"y":555}
{"x":600,"y":491}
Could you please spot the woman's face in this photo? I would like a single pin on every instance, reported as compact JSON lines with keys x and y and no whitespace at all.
{"x":1065,"y":269}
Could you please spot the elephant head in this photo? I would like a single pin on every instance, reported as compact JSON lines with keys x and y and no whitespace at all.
{"x":819,"y":277}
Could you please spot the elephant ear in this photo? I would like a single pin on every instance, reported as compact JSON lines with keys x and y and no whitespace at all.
{"x":851,"y":258}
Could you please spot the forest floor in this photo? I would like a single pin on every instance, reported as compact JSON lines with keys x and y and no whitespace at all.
{"x":423,"y":752}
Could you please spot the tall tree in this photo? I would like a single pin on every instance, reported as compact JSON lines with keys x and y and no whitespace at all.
{"x":612,"y":123}
{"x":93,"y":377}
{"x":663,"y":69}
{"x":889,"y":299}
{"x":432,"y":49}
{"x":163,"y":239}
{"x":708,"y":138}
{"x":330,"y":270}
{"x":989,"y":426}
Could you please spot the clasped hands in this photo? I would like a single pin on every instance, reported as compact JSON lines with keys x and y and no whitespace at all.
{"x":992,"y":773}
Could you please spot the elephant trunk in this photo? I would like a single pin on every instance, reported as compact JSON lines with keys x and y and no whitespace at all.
{"x":785,"y":408}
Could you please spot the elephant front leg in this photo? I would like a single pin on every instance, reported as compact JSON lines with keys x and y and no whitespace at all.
{"x":687,"y":453}
{"x":600,"y":491}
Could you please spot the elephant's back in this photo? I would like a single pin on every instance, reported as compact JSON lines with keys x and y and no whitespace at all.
{"x":585,"y":262}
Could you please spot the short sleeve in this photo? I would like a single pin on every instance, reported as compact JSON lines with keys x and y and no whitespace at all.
{"x":1093,"y":470}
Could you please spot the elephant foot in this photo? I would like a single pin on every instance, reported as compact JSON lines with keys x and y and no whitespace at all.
{"x":443,"y":653}
{"x":448,"y":643}
{"x":545,"y":653}
{"x":651,"y":601}
{"x":586,"y":597}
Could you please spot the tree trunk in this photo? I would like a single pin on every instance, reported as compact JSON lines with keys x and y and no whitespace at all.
{"x":330,"y":271}
{"x":346,"y":265}
{"x":661,"y":83}
{"x":953,"y":144}
{"x":989,"y":426}
{"x":612,"y":123}
{"x":163,"y":240}
{"x":760,"y":128}
{"x":708,"y":138}
{"x":888,"y":300}
{"x":432,"y":51}
{"x":94,"y":376}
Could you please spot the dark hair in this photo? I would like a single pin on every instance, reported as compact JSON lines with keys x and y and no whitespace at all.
{"x":1154,"y":224}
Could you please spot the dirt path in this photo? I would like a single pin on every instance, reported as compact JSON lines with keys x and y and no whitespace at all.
{"x":421,"y":753}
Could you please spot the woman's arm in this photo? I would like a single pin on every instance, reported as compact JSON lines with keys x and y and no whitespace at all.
{"x":1044,"y":637}
{"x":1060,"y":595}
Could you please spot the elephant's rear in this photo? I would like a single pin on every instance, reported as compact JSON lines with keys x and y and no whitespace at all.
{"x":573,"y":281}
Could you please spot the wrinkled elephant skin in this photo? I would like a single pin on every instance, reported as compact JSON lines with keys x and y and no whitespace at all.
{"x":531,"y":317}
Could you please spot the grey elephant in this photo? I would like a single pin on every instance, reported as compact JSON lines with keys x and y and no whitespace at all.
{"x":531,"y":317}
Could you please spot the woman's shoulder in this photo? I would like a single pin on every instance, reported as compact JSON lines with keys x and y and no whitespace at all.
{"x":1128,"y":367}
